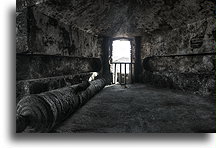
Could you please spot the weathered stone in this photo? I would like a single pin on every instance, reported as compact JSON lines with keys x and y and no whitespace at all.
{"x":23,"y":4}
{"x":198,"y":83}
{"x":192,"y":73}
{"x":21,"y":31}
{"x":58,"y":40}
{"x":128,"y":17}
{"x":42,"y":66}
{"x":142,"y":109}
{"x":197,"y":37}
{"x":50,"y":36}
{"x":181,"y":64}
{"x":182,"y":58}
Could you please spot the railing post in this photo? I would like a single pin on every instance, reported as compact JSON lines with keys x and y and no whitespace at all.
{"x":115,"y":74}
{"x":120,"y":78}
{"x":131,"y":71}
{"x":125,"y":74}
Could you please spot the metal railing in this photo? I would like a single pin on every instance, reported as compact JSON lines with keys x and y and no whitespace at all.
{"x":117,"y":77}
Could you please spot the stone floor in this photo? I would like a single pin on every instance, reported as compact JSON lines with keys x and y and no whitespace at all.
{"x":140,"y":108}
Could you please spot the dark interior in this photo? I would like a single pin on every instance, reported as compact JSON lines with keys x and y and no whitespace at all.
{"x":66,"y":80}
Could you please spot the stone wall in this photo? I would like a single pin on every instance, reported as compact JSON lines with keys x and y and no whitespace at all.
{"x":21,"y":22}
{"x":21,"y":30}
{"x":47,"y":35}
{"x":183,"y":58}
{"x":51,"y":54}
{"x":128,"y":18}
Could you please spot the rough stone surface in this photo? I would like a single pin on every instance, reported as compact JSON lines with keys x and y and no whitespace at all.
{"x":181,"y":64}
{"x":142,"y":109}
{"x":197,"y":37}
{"x":48,"y":36}
{"x":22,"y":23}
{"x":23,"y":4}
{"x":58,"y":40}
{"x":45,"y":47}
{"x":194,"y":73}
{"x":42,"y":66}
{"x":128,"y":17}
{"x":197,"y":83}
{"x":182,"y":58}
{"x":21,"y":31}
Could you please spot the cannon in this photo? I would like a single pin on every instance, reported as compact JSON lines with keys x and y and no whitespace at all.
{"x":39,"y":113}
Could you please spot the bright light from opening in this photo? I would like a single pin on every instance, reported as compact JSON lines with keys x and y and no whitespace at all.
{"x":121,"y":51}
{"x":121,"y":54}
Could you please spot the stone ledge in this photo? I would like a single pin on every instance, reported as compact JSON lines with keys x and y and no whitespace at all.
{"x":30,"y":66}
{"x":181,"y":63}
{"x":198,"y":83}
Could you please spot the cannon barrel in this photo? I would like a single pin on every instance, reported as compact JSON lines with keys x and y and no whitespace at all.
{"x":42,"y":112}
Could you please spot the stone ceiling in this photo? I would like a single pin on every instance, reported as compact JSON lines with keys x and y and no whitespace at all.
{"x":125,"y":18}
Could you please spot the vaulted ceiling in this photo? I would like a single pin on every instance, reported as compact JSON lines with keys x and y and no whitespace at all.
{"x":123,"y":18}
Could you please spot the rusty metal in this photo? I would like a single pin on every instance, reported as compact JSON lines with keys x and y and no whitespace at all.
{"x":42,"y":112}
